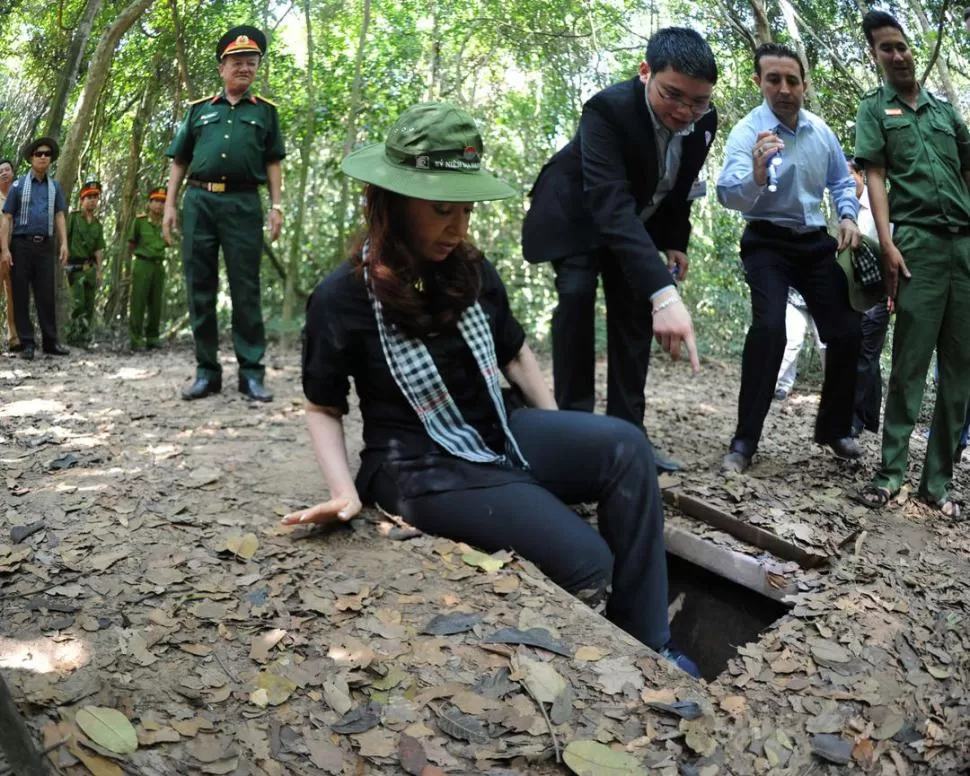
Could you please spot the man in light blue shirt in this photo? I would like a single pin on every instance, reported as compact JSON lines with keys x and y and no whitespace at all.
{"x":786,"y":244}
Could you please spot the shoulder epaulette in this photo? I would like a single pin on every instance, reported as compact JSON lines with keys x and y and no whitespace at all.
{"x":201,"y":99}
{"x":142,"y":215}
{"x":871,"y":93}
{"x":268,"y":102}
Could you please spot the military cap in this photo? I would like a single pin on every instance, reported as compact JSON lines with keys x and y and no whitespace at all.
{"x":244,"y":39}
{"x":90,"y":187}
{"x":159,"y":193}
{"x":41,"y":141}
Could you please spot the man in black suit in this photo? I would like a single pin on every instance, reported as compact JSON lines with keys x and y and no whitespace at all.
{"x":607,"y":204}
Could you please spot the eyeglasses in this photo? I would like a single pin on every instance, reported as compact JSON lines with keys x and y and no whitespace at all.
{"x":698,"y":107}
{"x":43,"y":153}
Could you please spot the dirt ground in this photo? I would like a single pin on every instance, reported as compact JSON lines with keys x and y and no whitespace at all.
{"x":158,"y":583}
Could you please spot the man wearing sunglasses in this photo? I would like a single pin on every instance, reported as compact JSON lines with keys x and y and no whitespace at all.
{"x":785,"y":244}
{"x":608,"y":204}
{"x":33,"y":216}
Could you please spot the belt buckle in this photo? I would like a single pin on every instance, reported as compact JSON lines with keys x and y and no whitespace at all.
{"x":953,"y":229}
{"x":37,"y":238}
{"x":219,"y":188}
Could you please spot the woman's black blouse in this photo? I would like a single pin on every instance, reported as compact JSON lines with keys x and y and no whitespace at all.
{"x":341,"y":342}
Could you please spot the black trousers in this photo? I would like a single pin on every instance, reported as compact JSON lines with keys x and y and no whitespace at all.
{"x":575,"y":458}
{"x":868,"y":389}
{"x":775,"y":259}
{"x":629,"y":330}
{"x":33,"y":270}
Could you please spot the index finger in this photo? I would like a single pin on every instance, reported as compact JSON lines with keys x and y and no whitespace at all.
{"x":695,"y":361}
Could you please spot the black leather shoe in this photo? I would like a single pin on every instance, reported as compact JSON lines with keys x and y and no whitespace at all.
{"x":27,"y":352}
{"x":252,"y":388}
{"x":661,"y":461}
{"x":202,"y":387}
{"x":56,"y":350}
{"x":846,"y":447}
{"x":958,"y":455}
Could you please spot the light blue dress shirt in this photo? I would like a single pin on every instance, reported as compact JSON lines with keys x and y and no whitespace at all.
{"x":812,"y":161}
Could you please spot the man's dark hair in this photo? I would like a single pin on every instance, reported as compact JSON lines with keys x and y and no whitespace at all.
{"x":776,"y":50}
{"x":683,"y":51}
{"x":876,"y":20}
{"x":4,"y":160}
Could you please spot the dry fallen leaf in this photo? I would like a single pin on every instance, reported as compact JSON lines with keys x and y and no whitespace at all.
{"x":734,"y":705}
{"x":242,"y":545}
{"x":590,"y":654}
{"x":591,"y":758}
{"x":263,"y":643}
{"x":482,"y":560}
{"x":542,"y":679}
{"x":95,"y":763}
{"x":376,"y":743}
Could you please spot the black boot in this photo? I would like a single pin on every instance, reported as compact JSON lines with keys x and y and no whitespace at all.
{"x":252,"y":388}
{"x":202,"y":387}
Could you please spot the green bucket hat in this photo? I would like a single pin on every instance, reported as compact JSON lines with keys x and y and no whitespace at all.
{"x":434,"y":152}
{"x":862,"y":296}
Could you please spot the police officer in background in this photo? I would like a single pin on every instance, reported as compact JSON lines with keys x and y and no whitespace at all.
{"x":229,"y":144}
{"x":147,"y":245}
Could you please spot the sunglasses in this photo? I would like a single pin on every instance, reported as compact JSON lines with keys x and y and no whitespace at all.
{"x":43,"y":153}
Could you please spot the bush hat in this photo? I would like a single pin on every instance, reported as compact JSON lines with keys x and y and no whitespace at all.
{"x":50,"y":142}
{"x":434,"y":152}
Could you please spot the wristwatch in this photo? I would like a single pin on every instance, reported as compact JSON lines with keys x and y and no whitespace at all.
{"x":278,"y":208}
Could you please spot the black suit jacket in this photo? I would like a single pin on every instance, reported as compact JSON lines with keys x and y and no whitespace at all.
{"x":591,"y":193}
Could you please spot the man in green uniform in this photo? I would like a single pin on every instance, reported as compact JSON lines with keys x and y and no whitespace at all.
{"x":229,"y":145}
{"x":919,"y":145}
{"x":147,"y":244}
{"x":85,"y":248}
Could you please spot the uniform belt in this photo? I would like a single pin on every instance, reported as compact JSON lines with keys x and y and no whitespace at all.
{"x":146,"y":258}
{"x":769,"y":229}
{"x":37,"y":238}
{"x":946,"y":231}
{"x":221,"y":187}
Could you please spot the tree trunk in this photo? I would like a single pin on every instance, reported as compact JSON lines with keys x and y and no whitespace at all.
{"x":70,"y":161}
{"x":306,"y":150}
{"x":790,"y":22}
{"x":131,"y":197}
{"x":82,"y":33}
{"x":942,"y":69}
{"x":762,"y":29}
{"x":180,"y":50}
{"x":351,"y":135}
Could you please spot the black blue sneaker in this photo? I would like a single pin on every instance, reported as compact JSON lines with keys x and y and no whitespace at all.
{"x":680,"y":660}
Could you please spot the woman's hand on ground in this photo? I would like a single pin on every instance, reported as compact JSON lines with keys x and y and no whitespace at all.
{"x":336,"y":509}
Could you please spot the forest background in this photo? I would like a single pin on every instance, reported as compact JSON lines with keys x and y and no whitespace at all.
{"x":112,"y":79}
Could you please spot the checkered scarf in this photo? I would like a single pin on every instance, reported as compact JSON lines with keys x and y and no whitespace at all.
{"x":868,"y":265}
{"x":416,"y":375}
{"x":25,"y":202}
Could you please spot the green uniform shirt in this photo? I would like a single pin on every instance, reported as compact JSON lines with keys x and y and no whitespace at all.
{"x":83,"y":238}
{"x":924,"y":152}
{"x":146,"y":238}
{"x":229,"y":143}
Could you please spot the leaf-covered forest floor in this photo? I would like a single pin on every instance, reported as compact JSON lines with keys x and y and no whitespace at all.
{"x":159,"y":583}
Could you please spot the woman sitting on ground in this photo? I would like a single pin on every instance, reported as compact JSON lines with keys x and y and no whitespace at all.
{"x":420,"y":320}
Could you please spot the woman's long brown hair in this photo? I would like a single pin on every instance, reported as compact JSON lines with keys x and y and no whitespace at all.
{"x":420,"y":297}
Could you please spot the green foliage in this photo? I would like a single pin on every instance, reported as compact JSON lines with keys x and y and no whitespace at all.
{"x":522,"y":67}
